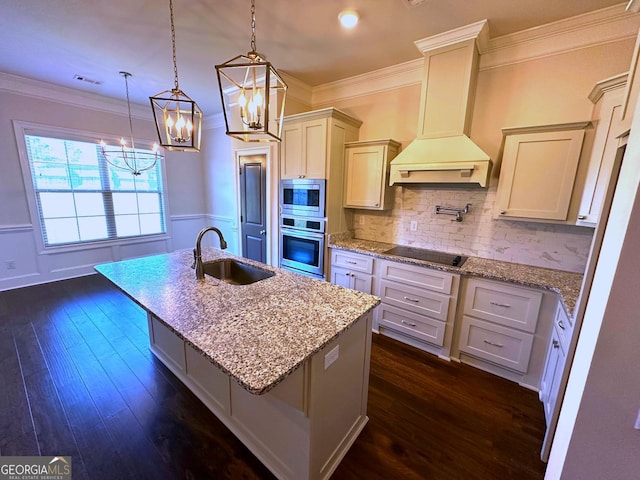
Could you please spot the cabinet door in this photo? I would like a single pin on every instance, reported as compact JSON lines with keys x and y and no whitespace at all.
{"x":314,"y":148}
{"x":291,"y":151}
{"x":340,"y":276}
{"x":550,"y":383}
{"x":364,"y":177}
{"x":602,"y":160}
{"x":538,"y":173}
{"x":362,"y":283}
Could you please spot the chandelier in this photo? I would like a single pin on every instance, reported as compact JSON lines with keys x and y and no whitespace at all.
{"x":178,"y":118}
{"x":250,"y":87}
{"x":125,"y":157}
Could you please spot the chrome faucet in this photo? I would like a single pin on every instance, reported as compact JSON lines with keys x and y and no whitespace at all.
{"x":197,"y":252}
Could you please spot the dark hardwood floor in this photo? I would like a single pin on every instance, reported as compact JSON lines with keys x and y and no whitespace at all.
{"x":77,"y":378}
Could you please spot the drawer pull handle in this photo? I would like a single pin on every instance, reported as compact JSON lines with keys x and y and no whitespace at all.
{"x":351,"y":262}
{"x":493,"y":344}
{"x":415,"y":300}
{"x":556,"y":344}
{"x":498,"y":304}
{"x":561,"y":325}
{"x":409,"y":323}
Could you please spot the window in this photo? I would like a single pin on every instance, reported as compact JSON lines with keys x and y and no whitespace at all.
{"x":81,"y":198}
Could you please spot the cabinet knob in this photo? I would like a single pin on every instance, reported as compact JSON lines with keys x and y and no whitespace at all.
{"x":561,"y":324}
{"x":376,"y":205}
{"x":502,"y":212}
{"x":556,"y":344}
{"x":582,"y":217}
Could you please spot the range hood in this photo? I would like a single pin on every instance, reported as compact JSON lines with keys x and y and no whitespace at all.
{"x":443,"y":151}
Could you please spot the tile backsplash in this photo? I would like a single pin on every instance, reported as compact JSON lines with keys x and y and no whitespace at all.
{"x":562,"y":247}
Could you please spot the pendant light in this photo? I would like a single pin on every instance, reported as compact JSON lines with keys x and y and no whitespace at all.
{"x":178,"y":118}
{"x":253,"y":94}
{"x":126,"y":157}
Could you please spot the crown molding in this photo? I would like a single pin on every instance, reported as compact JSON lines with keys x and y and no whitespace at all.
{"x":388,"y":78}
{"x":600,"y":27}
{"x":606,"y":85}
{"x":478,"y":31}
{"x":50,"y":92}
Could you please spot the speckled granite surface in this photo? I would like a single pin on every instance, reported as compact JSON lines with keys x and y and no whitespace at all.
{"x":567,"y":284}
{"x":257,"y":333}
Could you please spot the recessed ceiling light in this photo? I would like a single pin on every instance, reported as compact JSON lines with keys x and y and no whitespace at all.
{"x":348,"y":18}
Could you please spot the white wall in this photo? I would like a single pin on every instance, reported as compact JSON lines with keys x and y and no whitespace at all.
{"x":30,"y":101}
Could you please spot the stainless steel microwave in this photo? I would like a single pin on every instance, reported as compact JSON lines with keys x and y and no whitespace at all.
{"x":303,"y":196}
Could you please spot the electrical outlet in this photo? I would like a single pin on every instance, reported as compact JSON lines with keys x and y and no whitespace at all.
{"x":413,"y":226}
{"x":10,"y":264}
{"x":331,"y":357}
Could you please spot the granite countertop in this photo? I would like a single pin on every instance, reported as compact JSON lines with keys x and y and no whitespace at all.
{"x":257,"y":333}
{"x":567,"y":284}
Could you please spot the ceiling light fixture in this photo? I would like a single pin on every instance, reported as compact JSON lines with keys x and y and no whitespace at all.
{"x":127,"y":158}
{"x":348,"y":18}
{"x":178,"y":118}
{"x":251,"y":87}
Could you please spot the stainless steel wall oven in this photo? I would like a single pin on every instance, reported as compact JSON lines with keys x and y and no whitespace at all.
{"x":302,"y":241}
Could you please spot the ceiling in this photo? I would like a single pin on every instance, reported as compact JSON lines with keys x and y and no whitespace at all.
{"x":54,"y":40}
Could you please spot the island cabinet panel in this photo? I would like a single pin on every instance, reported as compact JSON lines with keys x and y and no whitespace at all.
{"x":418,"y":305}
{"x":167,"y":344}
{"x":212,"y":381}
{"x":300,"y":429}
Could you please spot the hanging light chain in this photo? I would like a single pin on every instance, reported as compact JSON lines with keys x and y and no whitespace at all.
{"x":253,"y":25}
{"x":126,"y":76}
{"x":173,"y":45}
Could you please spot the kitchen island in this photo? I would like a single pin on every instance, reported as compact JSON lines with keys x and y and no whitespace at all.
{"x":283,"y":362}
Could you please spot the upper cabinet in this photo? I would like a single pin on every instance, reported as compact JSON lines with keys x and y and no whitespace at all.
{"x":538,"y":172}
{"x":608,"y":98}
{"x":311,"y":140}
{"x":366,"y":175}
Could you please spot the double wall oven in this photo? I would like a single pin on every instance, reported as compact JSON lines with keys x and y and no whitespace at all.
{"x":302,"y":226}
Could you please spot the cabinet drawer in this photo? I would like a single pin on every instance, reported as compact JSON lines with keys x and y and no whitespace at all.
{"x":422,"y":328}
{"x":504,"y":346}
{"x":417,"y":276}
{"x":432,"y":304}
{"x":507,"y":305}
{"x":360,"y":263}
{"x":167,"y":343}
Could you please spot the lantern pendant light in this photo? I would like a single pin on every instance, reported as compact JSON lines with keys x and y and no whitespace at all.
{"x":178,"y":118}
{"x":253,"y":94}
{"x":126,"y":157}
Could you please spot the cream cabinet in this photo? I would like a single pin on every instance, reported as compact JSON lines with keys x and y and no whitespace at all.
{"x":366,"y":175}
{"x":418,"y":305}
{"x":352,"y":270}
{"x":311,"y":141}
{"x":556,"y":360}
{"x":539,"y":167}
{"x":499,"y":323}
{"x":608,"y":98}
{"x":304,"y":151}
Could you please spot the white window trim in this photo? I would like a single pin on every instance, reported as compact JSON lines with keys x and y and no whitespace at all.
{"x":27,"y":128}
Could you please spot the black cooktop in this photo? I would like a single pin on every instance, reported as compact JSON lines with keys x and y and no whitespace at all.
{"x":433,"y":256}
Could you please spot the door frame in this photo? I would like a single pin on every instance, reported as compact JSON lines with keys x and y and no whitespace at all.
{"x":265,"y":150}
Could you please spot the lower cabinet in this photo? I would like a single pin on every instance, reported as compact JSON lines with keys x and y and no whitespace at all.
{"x":418,"y":305}
{"x":352,"y":270}
{"x":556,"y":360}
{"x":504,"y":329}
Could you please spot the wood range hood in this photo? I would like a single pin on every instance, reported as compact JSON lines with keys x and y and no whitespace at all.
{"x":443,"y":151}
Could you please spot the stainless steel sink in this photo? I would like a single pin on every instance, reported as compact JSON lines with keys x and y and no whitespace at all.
{"x":234,"y":272}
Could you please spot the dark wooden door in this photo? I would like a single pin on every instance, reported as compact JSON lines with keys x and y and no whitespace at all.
{"x":253,"y":199}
